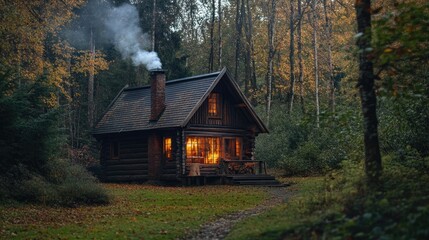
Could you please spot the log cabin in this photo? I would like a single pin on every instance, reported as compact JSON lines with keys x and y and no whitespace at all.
{"x":191,"y":128}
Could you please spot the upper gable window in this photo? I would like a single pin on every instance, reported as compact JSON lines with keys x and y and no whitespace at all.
{"x":214,"y":105}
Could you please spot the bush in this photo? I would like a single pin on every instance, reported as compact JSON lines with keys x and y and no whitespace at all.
{"x":75,"y":184}
{"x":31,"y":141}
{"x":346,"y":209}
{"x":297,"y":146}
{"x":65,"y":184}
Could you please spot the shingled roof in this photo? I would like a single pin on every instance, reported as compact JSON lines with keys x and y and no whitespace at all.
{"x":130,"y":110}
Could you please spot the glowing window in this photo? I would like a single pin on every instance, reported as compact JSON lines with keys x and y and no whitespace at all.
{"x":214,"y":105}
{"x":232,"y":148}
{"x":203,"y":149}
{"x":237,"y":147}
{"x":168,"y":149}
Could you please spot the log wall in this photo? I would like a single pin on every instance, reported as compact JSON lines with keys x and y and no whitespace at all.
{"x":132,"y":162}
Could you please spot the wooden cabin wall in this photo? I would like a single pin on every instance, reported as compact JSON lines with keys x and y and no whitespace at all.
{"x":132,"y":162}
{"x":232,"y":113}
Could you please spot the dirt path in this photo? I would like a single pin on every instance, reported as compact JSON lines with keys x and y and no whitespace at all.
{"x":220,"y":228}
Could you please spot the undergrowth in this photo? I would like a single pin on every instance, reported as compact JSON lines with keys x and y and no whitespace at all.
{"x":341,"y":206}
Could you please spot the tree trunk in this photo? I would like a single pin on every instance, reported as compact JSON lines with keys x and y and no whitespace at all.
{"x":212,"y":23}
{"x":219,"y":26}
{"x":153,"y":25}
{"x":91,"y":85}
{"x":252,"y":47}
{"x":328,"y":31}
{"x":238,"y":27}
{"x":300,"y":65}
{"x":247,"y":67}
{"x":373,"y":167}
{"x":316,"y":62}
{"x":271,"y":52}
{"x":291,"y":57}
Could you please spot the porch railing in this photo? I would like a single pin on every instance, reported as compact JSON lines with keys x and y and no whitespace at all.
{"x":234,"y":167}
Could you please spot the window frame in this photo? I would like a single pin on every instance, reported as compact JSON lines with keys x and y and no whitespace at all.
{"x":164,"y":149}
{"x":218,"y":106}
{"x":200,"y":146}
{"x":239,"y":147}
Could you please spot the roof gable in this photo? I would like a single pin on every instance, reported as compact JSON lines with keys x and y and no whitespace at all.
{"x":130,"y":110}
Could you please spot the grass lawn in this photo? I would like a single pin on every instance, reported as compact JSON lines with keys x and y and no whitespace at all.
{"x":273,"y":223}
{"x":136,"y":212}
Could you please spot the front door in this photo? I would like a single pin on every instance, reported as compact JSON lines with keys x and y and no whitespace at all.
{"x":232,"y":148}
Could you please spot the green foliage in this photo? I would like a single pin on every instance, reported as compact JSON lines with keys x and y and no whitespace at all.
{"x":28,"y":128}
{"x":340,"y":206}
{"x":297,"y":146}
{"x":31,"y":144}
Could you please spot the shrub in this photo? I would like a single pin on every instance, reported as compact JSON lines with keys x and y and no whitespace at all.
{"x":64,"y":184}
{"x":297,"y":146}
{"x":75,"y":184}
{"x":30,"y":144}
{"x":344,"y":208}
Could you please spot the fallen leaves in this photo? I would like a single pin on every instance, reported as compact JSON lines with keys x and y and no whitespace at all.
{"x":163,"y":211}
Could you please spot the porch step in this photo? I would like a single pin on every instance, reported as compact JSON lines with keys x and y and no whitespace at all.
{"x":257,"y":180}
{"x":253,"y":177}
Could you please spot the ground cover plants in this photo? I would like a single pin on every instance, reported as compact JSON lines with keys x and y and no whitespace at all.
{"x":135,"y":212}
{"x":340,"y":206}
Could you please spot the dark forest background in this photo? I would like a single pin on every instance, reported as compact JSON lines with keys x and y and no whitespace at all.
{"x":297,"y":61}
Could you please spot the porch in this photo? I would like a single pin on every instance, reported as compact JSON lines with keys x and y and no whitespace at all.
{"x":232,"y":172}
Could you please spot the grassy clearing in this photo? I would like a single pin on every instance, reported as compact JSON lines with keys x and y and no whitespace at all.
{"x":340,"y":205}
{"x":272,"y":224}
{"x":136,"y":212}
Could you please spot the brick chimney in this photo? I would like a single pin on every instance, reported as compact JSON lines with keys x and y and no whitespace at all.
{"x":157,"y":93}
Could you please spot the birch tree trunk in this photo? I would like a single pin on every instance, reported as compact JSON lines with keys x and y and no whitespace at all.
{"x":291,"y":57}
{"x":247,"y":67}
{"x":252,"y":46}
{"x":91,"y":84}
{"x":219,"y":26}
{"x":238,"y":27}
{"x":153,"y":25}
{"x":373,"y":167}
{"x":271,"y":53}
{"x":212,"y":23}
{"x":300,"y":64}
{"x":328,"y":32}
{"x":316,"y":62}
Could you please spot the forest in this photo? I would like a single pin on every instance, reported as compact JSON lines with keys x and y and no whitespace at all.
{"x":342,"y":85}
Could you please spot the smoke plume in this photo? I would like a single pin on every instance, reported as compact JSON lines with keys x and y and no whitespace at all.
{"x":123,"y":25}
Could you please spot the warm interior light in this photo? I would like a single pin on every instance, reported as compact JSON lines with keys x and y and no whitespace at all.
{"x":203,"y":149}
{"x":168,"y":148}
{"x":213,"y":104}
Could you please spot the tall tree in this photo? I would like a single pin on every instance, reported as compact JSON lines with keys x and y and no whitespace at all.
{"x":238,"y":28}
{"x":300,"y":64}
{"x":219,"y":32}
{"x":271,"y":52}
{"x":316,"y":61}
{"x":328,"y":36}
{"x":247,"y":56}
{"x":212,"y":25}
{"x":373,"y":166}
{"x":250,"y":41}
{"x":154,"y":25}
{"x":91,"y":106}
{"x":291,"y":56}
